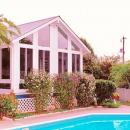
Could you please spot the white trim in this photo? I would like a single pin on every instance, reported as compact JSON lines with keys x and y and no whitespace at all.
{"x":69,"y":56}
{"x":81,"y":62}
{"x":0,"y":63}
{"x":43,"y":48}
{"x":4,"y":81}
{"x":72,"y":32}
{"x":15,"y":67}
{"x":63,"y":50}
{"x":33,"y":47}
{"x":25,"y":56}
{"x":35,"y":51}
{"x":50,"y":22}
{"x":75,"y":52}
{"x":53,"y":49}
{"x":26,"y":46}
{"x":35,"y":30}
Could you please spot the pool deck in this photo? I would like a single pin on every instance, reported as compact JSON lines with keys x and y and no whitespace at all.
{"x":6,"y":123}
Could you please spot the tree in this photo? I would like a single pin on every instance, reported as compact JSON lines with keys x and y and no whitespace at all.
{"x":7,"y":30}
{"x":87,"y":45}
{"x":99,"y":67}
{"x":91,"y":65}
{"x":106,"y":64}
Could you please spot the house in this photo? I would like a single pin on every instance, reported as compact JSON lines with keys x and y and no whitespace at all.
{"x":48,"y":45}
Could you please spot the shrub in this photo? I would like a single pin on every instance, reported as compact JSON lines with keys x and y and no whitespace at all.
{"x":104,"y":90}
{"x":8,"y":105}
{"x":120,"y":74}
{"x":65,"y":87}
{"x":86,"y":90}
{"x":40,"y":85}
{"x":110,"y":104}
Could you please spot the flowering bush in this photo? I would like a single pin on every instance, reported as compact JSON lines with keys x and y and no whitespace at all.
{"x":40,"y":85}
{"x":65,"y":86}
{"x":115,"y":96}
{"x":8,"y":105}
{"x":86,"y":90}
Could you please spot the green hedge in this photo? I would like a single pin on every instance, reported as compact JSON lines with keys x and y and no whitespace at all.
{"x":104,"y":89}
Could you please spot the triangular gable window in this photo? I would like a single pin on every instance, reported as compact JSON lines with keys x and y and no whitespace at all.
{"x":27,"y":40}
{"x":74,"y":46}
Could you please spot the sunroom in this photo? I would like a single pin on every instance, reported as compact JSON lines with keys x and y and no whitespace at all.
{"x":47,"y":45}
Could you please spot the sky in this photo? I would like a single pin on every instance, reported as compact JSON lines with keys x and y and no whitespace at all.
{"x":101,"y":22}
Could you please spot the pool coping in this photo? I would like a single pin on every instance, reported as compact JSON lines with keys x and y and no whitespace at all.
{"x":67,"y":118}
{"x":8,"y":124}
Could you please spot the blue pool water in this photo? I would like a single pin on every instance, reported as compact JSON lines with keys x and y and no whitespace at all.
{"x":90,"y":122}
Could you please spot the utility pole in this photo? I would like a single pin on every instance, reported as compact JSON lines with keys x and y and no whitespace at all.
{"x":123,"y":49}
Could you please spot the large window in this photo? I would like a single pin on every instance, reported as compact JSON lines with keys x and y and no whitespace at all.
{"x":6,"y":63}
{"x":26,"y":60}
{"x":44,"y":61}
{"x":75,"y":63}
{"x":62,"y":62}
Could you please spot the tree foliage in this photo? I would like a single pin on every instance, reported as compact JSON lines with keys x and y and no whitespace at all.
{"x":87,"y":45}
{"x":99,"y":67}
{"x":7,"y":30}
{"x":120,"y":74}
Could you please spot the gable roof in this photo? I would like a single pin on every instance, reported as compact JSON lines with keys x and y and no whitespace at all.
{"x":27,"y":28}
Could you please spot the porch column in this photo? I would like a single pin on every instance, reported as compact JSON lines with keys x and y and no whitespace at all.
{"x":53,"y":49}
{"x":81,"y":62}
{"x":69,"y":56}
{"x":35,"y":51}
{"x":0,"y":63}
{"x":15,"y":66}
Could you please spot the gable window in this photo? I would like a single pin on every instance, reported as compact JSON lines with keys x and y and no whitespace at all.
{"x":62,"y":62}
{"x":26,"y":61}
{"x":44,"y":61}
{"x":6,"y":63}
{"x":75,"y":63}
{"x":74,"y":46}
{"x":62,"y":39}
{"x":27,"y":40}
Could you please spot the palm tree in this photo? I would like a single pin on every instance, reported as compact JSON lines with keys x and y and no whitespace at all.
{"x":7,"y":30}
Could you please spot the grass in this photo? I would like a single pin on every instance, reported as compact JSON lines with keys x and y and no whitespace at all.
{"x":111,"y":104}
{"x":22,"y":115}
{"x":127,"y":103}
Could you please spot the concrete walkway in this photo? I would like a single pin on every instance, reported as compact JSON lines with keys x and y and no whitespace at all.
{"x":7,"y":123}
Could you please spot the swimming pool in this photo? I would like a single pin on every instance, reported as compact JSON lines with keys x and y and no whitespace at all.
{"x":89,"y":122}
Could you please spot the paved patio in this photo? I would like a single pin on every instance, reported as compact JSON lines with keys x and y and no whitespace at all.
{"x":7,"y":123}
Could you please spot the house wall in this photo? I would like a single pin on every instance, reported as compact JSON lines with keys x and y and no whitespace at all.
{"x":124,"y":94}
{"x":48,"y":38}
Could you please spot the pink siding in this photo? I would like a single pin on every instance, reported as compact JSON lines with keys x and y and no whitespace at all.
{"x":124,"y":94}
